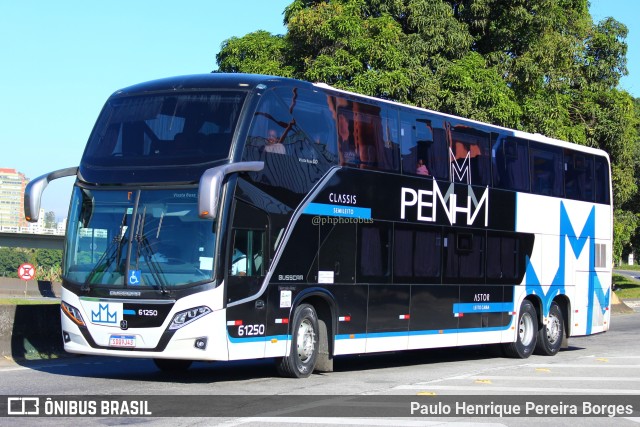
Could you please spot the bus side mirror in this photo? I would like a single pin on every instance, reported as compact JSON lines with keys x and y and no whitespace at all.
{"x":35,"y":188}
{"x":211,"y":185}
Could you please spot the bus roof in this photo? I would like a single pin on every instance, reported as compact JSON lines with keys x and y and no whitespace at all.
{"x":207,"y":81}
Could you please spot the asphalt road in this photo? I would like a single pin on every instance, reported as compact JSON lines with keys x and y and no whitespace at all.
{"x":601,"y":365}
{"x":632,"y":274}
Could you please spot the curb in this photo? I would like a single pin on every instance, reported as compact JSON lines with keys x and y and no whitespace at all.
{"x":619,"y":306}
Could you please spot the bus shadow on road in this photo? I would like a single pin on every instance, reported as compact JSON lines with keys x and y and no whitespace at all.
{"x":144,"y":370}
{"x":416,"y":357}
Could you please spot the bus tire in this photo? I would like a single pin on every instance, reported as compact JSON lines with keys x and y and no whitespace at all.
{"x":526,"y":333}
{"x":172,"y":365}
{"x":302,"y":358}
{"x":550,"y":335}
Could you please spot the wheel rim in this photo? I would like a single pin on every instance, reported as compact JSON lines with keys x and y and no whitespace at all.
{"x":306,"y":340}
{"x":525,"y":329}
{"x":553,"y":329}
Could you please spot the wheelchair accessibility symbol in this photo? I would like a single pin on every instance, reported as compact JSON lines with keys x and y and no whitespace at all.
{"x":134,"y":277}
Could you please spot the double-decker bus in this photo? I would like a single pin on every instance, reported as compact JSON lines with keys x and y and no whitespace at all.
{"x":228,"y":216}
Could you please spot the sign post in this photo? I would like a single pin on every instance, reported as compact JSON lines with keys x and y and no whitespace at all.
{"x":26,"y":272}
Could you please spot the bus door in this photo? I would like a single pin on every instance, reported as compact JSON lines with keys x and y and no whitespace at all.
{"x":388,"y":303}
{"x":246,"y":267}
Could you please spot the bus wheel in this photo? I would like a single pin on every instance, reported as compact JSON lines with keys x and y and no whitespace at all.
{"x":301,"y":360}
{"x":550,"y":335}
{"x":172,"y":365}
{"x":527,"y":333}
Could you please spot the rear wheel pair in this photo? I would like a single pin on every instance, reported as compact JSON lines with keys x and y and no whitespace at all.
{"x":545,"y":340}
{"x":550,"y":335}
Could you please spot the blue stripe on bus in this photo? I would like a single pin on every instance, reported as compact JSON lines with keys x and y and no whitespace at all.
{"x":483,"y":307}
{"x":377,"y":334}
{"x":425,"y":332}
{"x":337,"y":210}
{"x":259,"y":339}
{"x":132,"y":312}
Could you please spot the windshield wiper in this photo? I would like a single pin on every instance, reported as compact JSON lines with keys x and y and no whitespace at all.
{"x":143,"y":243}
{"x":112,"y":253}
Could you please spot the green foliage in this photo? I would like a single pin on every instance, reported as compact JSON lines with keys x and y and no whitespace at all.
{"x":606,"y":54}
{"x":22,"y":301}
{"x":47,"y":262}
{"x":472,"y":89}
{"x":258,"y":52}
{"x":10,"y":261}
{"x":624,"y":226}
{"x":542,"y":66}
{"x":48,"y":257}
{"x":626,"y":288}
{"x":50,"y":220}
{"x":337,"y":43}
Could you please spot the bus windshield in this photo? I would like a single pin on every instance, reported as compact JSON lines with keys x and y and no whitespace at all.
{"x":164,"y":130}
{"x":144,"y":238}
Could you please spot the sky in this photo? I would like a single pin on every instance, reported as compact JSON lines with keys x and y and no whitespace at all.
{"x":60,"y":61}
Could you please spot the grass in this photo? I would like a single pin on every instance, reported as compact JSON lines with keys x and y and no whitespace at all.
{"x":634,"y":267}
{"x":27,"y":301}
{"x":626,"y":288}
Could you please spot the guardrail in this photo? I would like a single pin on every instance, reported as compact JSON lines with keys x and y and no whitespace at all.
{"x":27,"y":240}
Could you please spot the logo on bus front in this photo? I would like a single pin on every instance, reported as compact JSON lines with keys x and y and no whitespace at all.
{"x":103,"y":315}
{"x":103,"y":312}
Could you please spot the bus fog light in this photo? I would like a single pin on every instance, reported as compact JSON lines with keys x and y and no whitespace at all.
{"x":201,"y":343}
{"x":187,"y":316}
{"x":66,"y":337}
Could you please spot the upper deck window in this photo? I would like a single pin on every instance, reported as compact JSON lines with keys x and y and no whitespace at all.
{"x":162,"y":130}
{"x":470,"y":155}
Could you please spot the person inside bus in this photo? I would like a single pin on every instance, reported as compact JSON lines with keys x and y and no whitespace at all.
{"x":421,"y":168}
{"x":238,"y":263}
{"x":346,"y":144}
{"x":273,"y":144}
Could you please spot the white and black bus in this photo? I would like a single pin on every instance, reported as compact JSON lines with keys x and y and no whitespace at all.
{"x":231,"y":216}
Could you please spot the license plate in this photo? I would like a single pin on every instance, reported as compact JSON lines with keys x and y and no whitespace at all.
{"x":122,"y":341}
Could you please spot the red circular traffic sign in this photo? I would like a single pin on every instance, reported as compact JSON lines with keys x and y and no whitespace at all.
{"x":26,"y":271}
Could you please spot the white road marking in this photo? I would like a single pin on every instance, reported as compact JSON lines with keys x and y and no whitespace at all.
{"x":598,"y":365}
{"x":17,"y":368}
{"x":466,"y":389}
{"x":354,"y":421}
{"x":551,"y":378}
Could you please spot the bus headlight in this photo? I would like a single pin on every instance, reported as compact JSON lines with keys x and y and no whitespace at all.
{"x":187,"y":316}
{"x":72,"y":312}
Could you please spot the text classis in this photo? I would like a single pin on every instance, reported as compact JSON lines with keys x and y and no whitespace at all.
{"x":349,"y":199}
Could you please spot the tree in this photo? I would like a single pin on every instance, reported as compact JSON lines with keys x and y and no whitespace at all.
{"x":47,"y":258}
{"x":257,"y":52}
{"x":541,"y":66}
{"x":633,"y":204}
{"x":50,"y":220}
{"x":624,"y":226}
{"x":10,"y":261}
